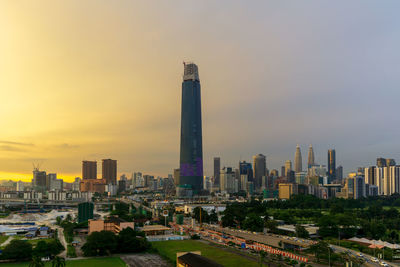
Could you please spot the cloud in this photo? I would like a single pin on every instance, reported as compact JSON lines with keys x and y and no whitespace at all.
{"x":15,"y":143}
{"x":11,"y":148}
{"x":66,"y":146}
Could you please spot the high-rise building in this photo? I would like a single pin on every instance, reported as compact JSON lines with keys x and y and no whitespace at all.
{"x":246,"y":168}
{"x":191,"y":154}
{"x":359,"y":187}
{"x":331,"y":165}
{"x":109,"y":171}
{"x":85,"y":211}
{"x":89,"y":169}
{"x":229,"y":183}
{"x":390,"y":162}
{"x":298,"y":160}
{"x":260,"y":165}
{"x":339,"y":174}
{"x":176,"y":176}
{"x":310,"y":157}
{"x":282,"y":171}
{"x":380,"y":162}
{"x":288,"y":168}
{"x":217,"y":168}
{"x":369,"y":175}
{"x":39,"y":180}
{"x":50,"y":177}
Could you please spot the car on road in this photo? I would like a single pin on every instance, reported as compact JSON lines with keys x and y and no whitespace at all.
{"x":374,"y":259}
{"x":382,"y":263}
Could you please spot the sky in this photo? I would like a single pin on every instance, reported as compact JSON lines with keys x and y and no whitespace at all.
{"x":94,"y":79}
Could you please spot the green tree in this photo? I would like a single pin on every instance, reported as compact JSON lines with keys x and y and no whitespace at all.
{"x":17,"y":250}
{"x":253,"y":223}
{"x":213,"y":217}
{"x":200,"y":213}
{"x":321,"y":250}
{"x":130,"y":240}
{"x":100,"y":244}
{"x":41,"y":250}
{"x":58,"y":262}
{"x":301,"y":231}
{"x":262,"y":257}
{"x":36,"y":262}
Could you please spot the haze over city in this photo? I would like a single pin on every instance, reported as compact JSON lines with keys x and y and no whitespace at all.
{"x":87,"y":80}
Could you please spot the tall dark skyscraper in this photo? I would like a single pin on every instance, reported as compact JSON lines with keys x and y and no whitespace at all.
{"x":298,"y":162}
{"x":310,"y":161}
{"x":191,"y":158}
{"x":260,"y":166}
{"x":89,"y":169}
{"x":109,"y":171}
{"x":217,"y":170}
{"x":339,"y":174}
{"x":246,"y":168}
{"x":331,"y":164}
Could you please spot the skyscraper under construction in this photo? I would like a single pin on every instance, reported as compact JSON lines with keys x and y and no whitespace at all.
{"x":191,"y":154}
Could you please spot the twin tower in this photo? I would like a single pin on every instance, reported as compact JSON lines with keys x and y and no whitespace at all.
{"x":191,"y":154}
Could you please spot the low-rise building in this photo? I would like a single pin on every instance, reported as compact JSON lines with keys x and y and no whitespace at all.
{"x":113,"y":224}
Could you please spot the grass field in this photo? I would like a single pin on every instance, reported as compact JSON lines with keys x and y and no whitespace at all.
{"x":99,"y":262}
{"x":169,"y":249}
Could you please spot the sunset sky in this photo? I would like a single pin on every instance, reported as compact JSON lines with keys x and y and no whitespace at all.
{"x":86,"y":80}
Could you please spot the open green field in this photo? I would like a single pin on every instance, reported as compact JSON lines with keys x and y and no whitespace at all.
{"x":169,"y":249}
{"x":95,"y":262}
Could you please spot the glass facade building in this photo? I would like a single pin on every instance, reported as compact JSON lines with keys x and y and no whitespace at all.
{"x":191,"y":153}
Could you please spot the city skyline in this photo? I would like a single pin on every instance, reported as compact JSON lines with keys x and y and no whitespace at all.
{"x":90,"y":88}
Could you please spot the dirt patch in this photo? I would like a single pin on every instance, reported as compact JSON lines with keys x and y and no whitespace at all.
{"x":145,"y":260}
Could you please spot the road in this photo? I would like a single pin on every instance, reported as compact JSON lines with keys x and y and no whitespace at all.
{"x":368,"y":259}
{"x":61,"y":237}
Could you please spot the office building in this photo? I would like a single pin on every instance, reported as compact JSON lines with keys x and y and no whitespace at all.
{"x":298,"y":160}
{"x":89,"y":170}
{"x":369,"y":175}
{"x":109,"y":171}
{"x":191,"y":152}
{"x":76,"y":184}
{"x":49,"y":178}
{"x":380,"y":162}
{"x":20,"y":186}
{"x":317,"y":171}
{"x":339,"y":174}
{"x":359,"y":187}
{"x":56,"y":184}
{"x":217,"y":168}
{"x":310,"y":161}
{"x":288,"y":168}
{"x":390,"y":162}
{"x":331,"y":165}
{"x":260,"y":166}
{"x":246,"y":168}
{"x":286,"y":190}
{"x":228,"y":182}
{"x":85,"y":211}
{"x":39,"y":180}
{"x":176,"y":176}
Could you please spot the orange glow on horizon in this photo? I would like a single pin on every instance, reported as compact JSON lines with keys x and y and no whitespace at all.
{"x":27,"y":177}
